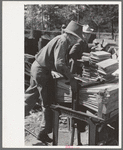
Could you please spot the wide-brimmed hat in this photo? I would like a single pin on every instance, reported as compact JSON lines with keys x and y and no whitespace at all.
{"x":74,"y":28}
{"x":87,"y":29}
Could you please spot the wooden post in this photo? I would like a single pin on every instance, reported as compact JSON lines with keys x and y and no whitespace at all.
{"x":73,"y":120}
{"x":72,"y":132}
{"x":55,"y":127}
{"x":75,"y":99}
{"x":79,"y":137}
{"x":92,"y":133}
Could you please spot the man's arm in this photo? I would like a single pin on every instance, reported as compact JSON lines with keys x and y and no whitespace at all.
{"x":75,"y":52}
{"x":60,"y":52}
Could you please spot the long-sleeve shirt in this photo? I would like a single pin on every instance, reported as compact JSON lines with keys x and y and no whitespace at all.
{"x":75,"y":53}
{"x":54,"y":55}
{"x":77,"y":50}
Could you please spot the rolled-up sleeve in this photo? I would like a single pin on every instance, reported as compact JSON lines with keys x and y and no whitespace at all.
{"x":60,"y":52}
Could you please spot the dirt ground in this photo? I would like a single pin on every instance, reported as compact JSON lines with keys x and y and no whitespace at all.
{"x":32,"y":123}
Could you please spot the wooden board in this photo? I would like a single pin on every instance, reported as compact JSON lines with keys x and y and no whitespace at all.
{"x":109,"y":65}
{"x":100,"y":54}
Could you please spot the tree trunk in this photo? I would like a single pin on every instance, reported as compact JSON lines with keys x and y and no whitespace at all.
{"x":78,"y":15}
{"x":31,"y":15}
{"x":112,"y":29}
{"x":42,"y":19}
{"x":98,"y":32}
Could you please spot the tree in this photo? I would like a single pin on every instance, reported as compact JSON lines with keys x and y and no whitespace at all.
{"x":50,"y":17}
{"x":101,"y":16}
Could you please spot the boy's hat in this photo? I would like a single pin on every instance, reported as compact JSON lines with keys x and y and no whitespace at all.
{"x":87,"y":29}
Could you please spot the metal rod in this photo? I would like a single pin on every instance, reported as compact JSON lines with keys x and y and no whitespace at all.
{"x":31,"y":133}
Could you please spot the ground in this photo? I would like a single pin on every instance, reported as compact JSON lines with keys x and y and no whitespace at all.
{"x":32,"y":123}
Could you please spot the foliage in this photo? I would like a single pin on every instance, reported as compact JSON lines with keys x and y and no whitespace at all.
{"x":102,"y":15}
{"x":51,"y":17}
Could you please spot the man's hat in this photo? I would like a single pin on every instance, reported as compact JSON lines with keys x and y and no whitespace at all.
{"x":87,"y":29}
{"x":74,"y":28}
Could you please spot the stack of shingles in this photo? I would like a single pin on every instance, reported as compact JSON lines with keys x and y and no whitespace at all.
{"x":63,"y":91}
{"x":89,"y":63}
{"x":86,"y":67}
{"x":106,"y":68}
{"x":96,"y":57}
{"x":88,"y":97}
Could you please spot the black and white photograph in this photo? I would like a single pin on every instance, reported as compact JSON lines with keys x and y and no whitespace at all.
{"x":70,"y":67}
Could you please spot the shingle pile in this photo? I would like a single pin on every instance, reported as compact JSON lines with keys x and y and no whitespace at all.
{"x":102,"y":98}
{"x":89,"y":97}
{"x":89,"y":63}
{"x":106,"y":68}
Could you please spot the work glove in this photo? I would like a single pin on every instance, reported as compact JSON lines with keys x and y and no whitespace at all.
{"x":73,"y":83}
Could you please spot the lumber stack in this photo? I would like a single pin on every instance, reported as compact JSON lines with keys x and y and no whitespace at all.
{"x":63,"y":91}
{"x":90,"y":63}
{"x":98,"y":56}
{"x":106,"y":68}
{"x":102,"y":99}
{"x":89,"y":70}
{"x":86,"y":66}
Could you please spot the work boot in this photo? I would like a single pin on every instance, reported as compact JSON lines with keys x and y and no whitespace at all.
{"x":48,"y":139}
{"x":44,"y":137}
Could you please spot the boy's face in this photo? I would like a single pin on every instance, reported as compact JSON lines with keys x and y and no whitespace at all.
{"x":86,"y":36}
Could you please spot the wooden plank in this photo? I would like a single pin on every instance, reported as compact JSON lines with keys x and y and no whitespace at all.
{"x":97,"y":59}
{"x":109,"y":65}
{"x":100,"y":54}
{"x":107,"y":108}
{"x":111,"y":114}
{"x":91,"y":104}
{"x":90,"y":107}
